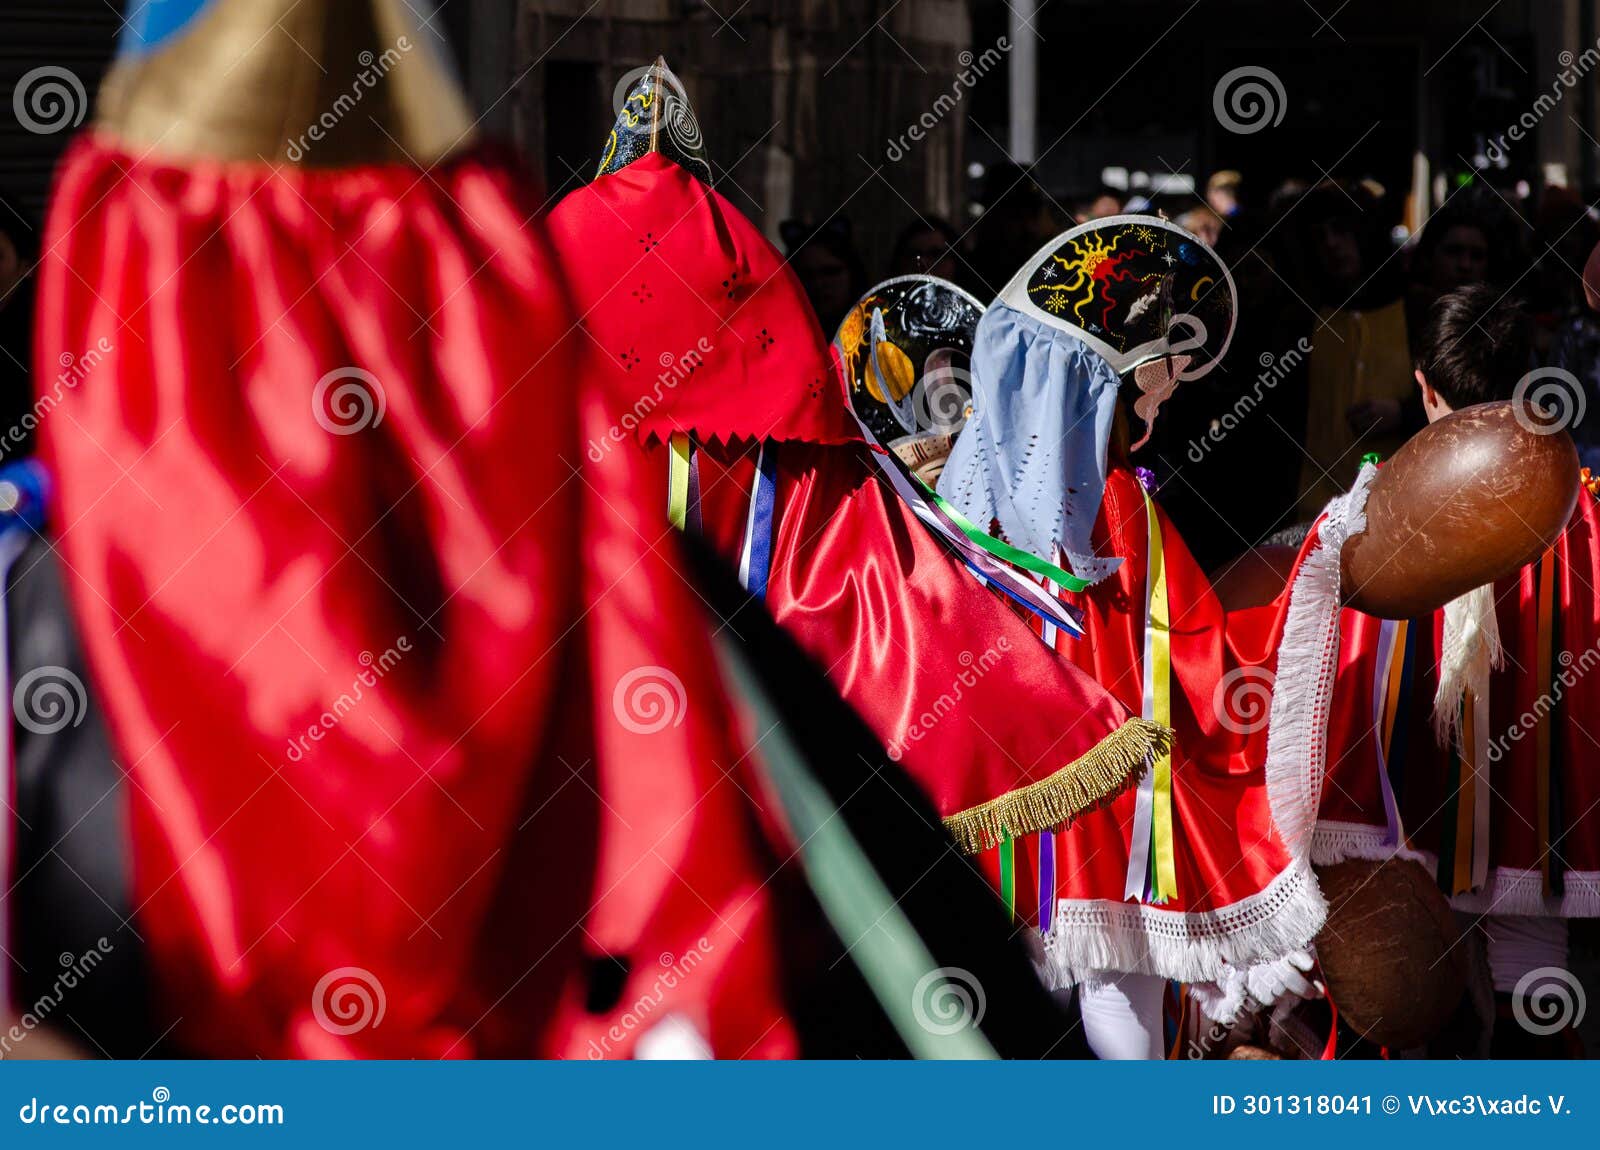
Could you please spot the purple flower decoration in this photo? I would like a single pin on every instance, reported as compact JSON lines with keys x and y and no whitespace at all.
{"x":1146,"y":477}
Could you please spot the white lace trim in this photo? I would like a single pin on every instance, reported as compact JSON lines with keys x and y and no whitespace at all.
{"x":1090,"y":937}
{"x":1308,"y":661}
{"x":1510,"y":890}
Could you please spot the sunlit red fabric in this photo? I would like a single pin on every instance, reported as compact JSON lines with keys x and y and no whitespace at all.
{"x":240,"y":557}
{"x":1228,"y":848}
{"x":1352,"y":813}
{"x":669,"y":274}
{"x":945,"y":674}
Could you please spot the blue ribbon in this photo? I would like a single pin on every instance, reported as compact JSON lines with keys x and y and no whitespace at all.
{"x":756,"y":563}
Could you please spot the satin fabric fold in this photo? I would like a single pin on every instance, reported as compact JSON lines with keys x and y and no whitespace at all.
{"x":365,"y":643}
{"x":1225,"y":846}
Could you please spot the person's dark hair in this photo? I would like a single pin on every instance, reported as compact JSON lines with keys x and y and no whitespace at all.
{"x":1476,"y":346}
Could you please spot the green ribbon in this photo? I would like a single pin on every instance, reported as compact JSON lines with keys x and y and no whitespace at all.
{"x":1008,"y":876}
{"x":1004,"y":551}
{"x":893,"y":959}
{"x":1371,"y":457}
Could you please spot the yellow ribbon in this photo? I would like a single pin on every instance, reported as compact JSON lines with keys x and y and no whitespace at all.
{"x":678,"y":479}
{"x":1158,"y":704}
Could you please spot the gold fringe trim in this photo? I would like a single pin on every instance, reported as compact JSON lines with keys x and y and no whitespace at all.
{"x":1113,"y":765}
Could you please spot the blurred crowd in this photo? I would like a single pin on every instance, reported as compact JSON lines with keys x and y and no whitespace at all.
{"x":1333,"y":293}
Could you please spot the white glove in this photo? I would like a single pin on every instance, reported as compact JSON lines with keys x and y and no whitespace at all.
{"x":1261,"y":986}
{"x":1271,"y":982}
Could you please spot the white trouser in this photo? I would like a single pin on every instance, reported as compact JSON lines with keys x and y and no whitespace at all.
{"x":1122,"y":1017}
{"x":1519,"y":944}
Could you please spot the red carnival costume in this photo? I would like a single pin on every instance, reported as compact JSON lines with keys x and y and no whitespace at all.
{"x":713,"y":363}
{"x":1204,"y":871}
{"x":1505,"y":814}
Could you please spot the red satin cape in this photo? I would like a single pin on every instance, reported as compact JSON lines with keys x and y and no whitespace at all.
{"x":371,"y":653}
{"x":947,"y":677}
{"x":701,"y":325}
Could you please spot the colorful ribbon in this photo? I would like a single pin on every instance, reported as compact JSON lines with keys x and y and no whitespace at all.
{"x":1391,"y":694}
{"x":678,"y":479}
{"x":755,"y":557}
{"x":1152,"y":855}
{"x":1047,"y":880}
{"x":1464,"y":861}
{"x":1543,"y":732}
{"x":978,"y":557}
{"x":1008,"y":875}
{"x":1002,"y":550}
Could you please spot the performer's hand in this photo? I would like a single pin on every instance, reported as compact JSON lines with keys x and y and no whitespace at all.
{"x":1272,"y":982}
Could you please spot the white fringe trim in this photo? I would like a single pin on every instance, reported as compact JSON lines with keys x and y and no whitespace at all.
{"x":1510,"y":890}
{"x":1097,"y":937}
{"x":1090,"y":938}
{"x":1308,"y":659}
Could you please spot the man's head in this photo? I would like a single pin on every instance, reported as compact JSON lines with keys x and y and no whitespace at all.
{"x":1462,"y":243}
{"x":1475,"y":347}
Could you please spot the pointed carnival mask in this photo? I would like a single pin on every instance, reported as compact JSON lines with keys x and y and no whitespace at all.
{"x":654,"y":115}
{"x":1124,"y":295}
{"x":906,"y":348}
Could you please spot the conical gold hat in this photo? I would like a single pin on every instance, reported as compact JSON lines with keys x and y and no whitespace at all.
{"x":316,"y":82}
